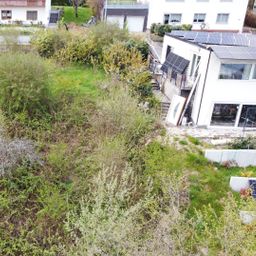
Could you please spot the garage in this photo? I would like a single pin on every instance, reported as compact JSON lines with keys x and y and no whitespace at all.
{"x":131,"y":16}
{"x":116,"y":19}
{"x":135,"y":23}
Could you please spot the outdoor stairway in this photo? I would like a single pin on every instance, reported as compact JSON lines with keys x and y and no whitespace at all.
{"x":155,"y":85}
{"x":164,"y":109}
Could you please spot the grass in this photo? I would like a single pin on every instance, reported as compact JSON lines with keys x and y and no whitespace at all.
{"x":208,"y":183}
{"x":84,"y":14}
{"x":77,"y":78}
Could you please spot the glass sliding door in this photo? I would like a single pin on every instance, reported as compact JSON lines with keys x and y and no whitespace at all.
{"x":224,"y":114}
{"x":248,"y":116}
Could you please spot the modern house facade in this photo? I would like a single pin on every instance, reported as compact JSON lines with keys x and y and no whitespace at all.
{"x":209,"y":15}
{"x":215,"y":74}
{"x":25,"y":12}
{"x":132,"y":15}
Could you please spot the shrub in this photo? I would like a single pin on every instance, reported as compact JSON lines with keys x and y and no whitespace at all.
{"x":118,"y":60}
{"x":103,"y":35}
{"x":24,"y":82}
{"x":109,"y":221}
{"x":77,"y":50}
{"x":48,"y":42}
{"x":244,"y":143}
{"x":160,"y":29}
{"x":140,"y":45}
{"x":119,"y":114}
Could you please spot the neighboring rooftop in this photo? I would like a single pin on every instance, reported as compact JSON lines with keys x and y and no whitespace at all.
{"x":216,"y":38}
{"x":22,"y":3}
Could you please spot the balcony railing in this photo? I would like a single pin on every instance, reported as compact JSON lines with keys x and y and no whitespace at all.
{"x":22,"y":3}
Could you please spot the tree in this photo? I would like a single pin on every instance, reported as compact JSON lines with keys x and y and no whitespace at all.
{"x":97,"y":6}
{"x":75,"y":4}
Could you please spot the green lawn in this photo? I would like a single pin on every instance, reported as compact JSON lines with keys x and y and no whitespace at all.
{"x":77,"y":78}
{"x":84,"y":14}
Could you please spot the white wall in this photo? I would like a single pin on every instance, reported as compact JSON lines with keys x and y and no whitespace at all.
{"x":187,"y":50}
{"x":236,"y":9}
{"x":224,"y":91}
{"x":20,"y":13}
{"x":242,"y":158}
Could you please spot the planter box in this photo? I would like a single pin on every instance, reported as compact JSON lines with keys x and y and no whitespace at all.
{"x":238,"y":183}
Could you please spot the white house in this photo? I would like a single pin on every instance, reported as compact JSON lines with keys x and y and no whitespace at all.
{"x":217,"y":15}
{"x":25,"y":11}
{"x":215,"y":73}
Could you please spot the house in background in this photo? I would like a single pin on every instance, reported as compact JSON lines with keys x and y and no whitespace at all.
{"x":132,"y":15}
{"x":214,"y":73}
{"x":209,"y":15}
{"x":25,"y":12}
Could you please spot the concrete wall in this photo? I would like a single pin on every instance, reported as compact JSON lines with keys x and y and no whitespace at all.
{"x":243,"y":158}
{"x":20,"y":13}
{"x":236,"y":9}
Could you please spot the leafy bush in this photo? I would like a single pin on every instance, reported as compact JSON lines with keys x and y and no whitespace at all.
{"x":248,"y":142}
{"x":160,"y":29}
{"x":119,"y":114}
{"x":118,"y":60}
{"x":109,"y":221}
{"x":77,"y":50}
{"x":48,"y":42}
{"x":140,"y":45}
{"x":24,"y":80}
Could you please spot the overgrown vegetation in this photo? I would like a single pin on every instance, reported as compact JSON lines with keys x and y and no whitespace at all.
{"x":96,"y":177}
{"x":160,"y":29}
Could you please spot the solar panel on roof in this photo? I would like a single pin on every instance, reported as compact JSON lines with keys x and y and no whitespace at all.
{"x":241,"y":40}
{"x":190,"y":35}
{"x":227,"y":40}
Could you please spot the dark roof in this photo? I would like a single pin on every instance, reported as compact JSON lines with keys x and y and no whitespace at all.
{"x":216,"y":38}
{"x":176,"y":63}
{"x":235,"y":52}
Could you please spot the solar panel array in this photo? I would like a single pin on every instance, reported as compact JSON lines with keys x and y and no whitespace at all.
{"x":176,"y":63}
{"x":217,"y":38}
{"x":237,"y":53}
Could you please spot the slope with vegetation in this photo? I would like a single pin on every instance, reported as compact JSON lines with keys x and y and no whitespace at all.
{"x":93,"y":173}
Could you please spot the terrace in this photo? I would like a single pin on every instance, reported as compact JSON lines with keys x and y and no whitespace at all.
{"x":22,"y":3}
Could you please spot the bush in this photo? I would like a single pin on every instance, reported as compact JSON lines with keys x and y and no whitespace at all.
{"x":118,"y":60}
{"x":140,"y":45}
{"x":109,"y":220}
{"x":160,"y":29}
{"x":48,"y":42}
{"x":78,"y":50}
{"x":244,"y":143}
{"x":24,"y":82}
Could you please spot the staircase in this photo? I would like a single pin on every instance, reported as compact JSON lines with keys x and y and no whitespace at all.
{"x":164,"y":109}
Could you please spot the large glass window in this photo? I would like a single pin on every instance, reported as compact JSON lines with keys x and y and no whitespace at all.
{"x":248,"y":116}
{"x":235,"y":71}
{"x":254,"y":72}
{"x":224,"y":114}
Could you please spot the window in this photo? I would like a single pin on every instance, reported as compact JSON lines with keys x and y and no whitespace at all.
{"x":31,"y":15}
{"x":254,"y":72}
{"x":224,"y":114}
{"x":199,"y":17}
{"x":248,"y":116}
{"x":175,"y":18}
{"x":166,"y":18}
{"x":222,"y":18}
{"x":172,"y":18}
{"x":235,"y":71}
{"x":6,"y":14}
{"x":194,"y":66}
